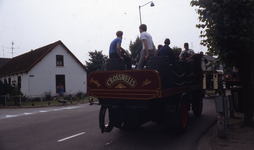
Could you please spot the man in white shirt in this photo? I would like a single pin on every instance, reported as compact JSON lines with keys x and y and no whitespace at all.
{"x":148,"y":46}
{"x":187,"y":55}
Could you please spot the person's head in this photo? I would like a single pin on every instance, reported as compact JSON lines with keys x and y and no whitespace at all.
{"x":167,"y":41}
{"x":142,"y":28}
{"x":186,"y":46}
{"x":119,"y":34}
{"x":159,"y":46}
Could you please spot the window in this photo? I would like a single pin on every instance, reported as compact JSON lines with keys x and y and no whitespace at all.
{"x":59,"y":60}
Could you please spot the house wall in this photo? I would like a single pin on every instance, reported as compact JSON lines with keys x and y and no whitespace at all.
{"x":203,"y":66}
{"x":14,"y":79}
{"x":42,"y":77}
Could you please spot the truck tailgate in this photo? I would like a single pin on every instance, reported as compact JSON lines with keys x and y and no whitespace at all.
{"x":142,"y":84}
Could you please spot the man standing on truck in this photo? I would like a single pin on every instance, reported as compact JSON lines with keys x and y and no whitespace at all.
{"x":148,"y":46}
{"x":116,"y":51}
{"x":167,"y":51}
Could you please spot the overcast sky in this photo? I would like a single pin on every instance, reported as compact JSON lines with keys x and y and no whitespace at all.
{"x":88,"y":25}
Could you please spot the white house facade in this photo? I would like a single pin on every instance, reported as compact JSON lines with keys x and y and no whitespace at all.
{"x":55,"y":65}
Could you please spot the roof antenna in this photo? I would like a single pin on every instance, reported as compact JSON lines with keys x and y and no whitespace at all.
{"x":12,"y":48}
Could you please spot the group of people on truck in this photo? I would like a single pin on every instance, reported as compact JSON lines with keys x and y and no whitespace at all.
{"x":116,"y":51}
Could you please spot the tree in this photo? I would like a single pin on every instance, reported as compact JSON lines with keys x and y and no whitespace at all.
{"x":177,"y":49}
{"x":96,"y":62}
{"x":228,"y":29}
{"x":135,"y":48}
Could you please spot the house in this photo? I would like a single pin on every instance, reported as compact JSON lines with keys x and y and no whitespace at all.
{"x":43,"y":69}
{"x":4,"y":61}
{"x":206,"y":60}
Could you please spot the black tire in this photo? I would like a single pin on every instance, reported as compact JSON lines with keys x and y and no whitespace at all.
{"x":183,"y":119}
{"x":179,"y":122}
{"x":197,"y":103}
{"x":109,"y":126}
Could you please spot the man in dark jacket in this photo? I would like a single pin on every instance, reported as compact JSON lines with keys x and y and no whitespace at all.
{"x":167,"y":51}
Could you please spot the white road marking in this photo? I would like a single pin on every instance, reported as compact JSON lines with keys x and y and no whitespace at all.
{"x":41,"y":111}
{"x":44,"y":111}
{"x":9,"y":116}
{"x":108,"y":143}
{"x":28,"y":113}
{"x":71,"y":137}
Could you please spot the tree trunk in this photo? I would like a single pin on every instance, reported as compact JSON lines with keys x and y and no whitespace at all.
{"x":247,"y":74}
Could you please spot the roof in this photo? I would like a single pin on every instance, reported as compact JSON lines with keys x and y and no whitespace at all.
{"x":4,"y":61}
{"x":24,"y":62}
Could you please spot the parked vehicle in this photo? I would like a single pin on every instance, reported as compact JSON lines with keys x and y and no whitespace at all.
{"x":213,"y":82}
{"x":162,"y":93}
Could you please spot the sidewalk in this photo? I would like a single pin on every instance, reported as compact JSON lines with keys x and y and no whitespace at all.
{"x":238,"y":138}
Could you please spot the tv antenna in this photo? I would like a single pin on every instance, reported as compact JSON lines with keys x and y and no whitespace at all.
{"x":12,"y":48}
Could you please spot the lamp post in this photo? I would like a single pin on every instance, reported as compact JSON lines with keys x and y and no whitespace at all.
{"x":152,"y":4}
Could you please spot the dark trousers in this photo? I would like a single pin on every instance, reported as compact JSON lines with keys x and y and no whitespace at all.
{"x":127,"y":60}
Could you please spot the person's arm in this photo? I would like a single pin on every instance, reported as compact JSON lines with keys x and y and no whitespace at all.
{"x":118,"y":47}
{"x":192,"y":53}
{"x":189,"y":57}
{"x":154,"y":50}
{"x":125,"y":52}
{"x":180,"y":56}
{"x":146,"y":48}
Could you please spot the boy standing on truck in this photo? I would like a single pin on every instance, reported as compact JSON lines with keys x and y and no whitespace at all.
{"x":115,"y":50}
{"x":148,"y":46}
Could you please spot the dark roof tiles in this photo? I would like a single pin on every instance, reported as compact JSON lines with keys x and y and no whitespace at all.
{"x":26,"y":61}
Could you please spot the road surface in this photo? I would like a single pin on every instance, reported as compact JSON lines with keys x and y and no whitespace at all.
{"x":77,"y":127}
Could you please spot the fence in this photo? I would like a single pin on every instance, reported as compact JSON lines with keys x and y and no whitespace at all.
{"x":40,"y":100}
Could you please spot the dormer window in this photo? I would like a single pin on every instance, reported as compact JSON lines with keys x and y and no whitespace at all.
{"x":59,"y":60}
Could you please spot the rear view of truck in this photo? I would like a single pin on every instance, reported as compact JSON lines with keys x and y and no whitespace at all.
{"x":162,"y":93}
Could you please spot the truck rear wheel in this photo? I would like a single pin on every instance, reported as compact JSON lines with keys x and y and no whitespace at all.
{"x":183,"y":119}
{"x":105,"y":123}
{"x":197,"y":104}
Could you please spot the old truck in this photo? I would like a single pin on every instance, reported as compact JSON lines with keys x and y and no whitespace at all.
{"x":162,"y":93}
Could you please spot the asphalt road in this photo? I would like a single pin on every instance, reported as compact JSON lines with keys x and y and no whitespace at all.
{"x":77,"y":128}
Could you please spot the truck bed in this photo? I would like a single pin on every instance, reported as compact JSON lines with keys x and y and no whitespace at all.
{"x":142,"y":84}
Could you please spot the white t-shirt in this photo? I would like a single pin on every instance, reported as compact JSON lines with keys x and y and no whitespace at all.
{"x":149,"y":40}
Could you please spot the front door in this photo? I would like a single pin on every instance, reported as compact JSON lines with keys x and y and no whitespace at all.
{"x":60,"y":79}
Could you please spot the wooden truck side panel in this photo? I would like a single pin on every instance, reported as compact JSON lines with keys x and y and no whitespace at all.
{"x":125,"y":84}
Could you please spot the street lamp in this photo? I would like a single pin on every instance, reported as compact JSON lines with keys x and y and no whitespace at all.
{"x":152,"y":4}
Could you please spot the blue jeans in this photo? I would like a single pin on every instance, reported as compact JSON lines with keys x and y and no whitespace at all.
{"x":142,"y":59}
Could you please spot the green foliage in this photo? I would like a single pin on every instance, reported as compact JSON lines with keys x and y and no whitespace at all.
{"x":135,"y":48}
{"x":96,"y":61}
{"x":5,"y":88}
{"x":228,"y":28}
{"x":177,"y":49}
